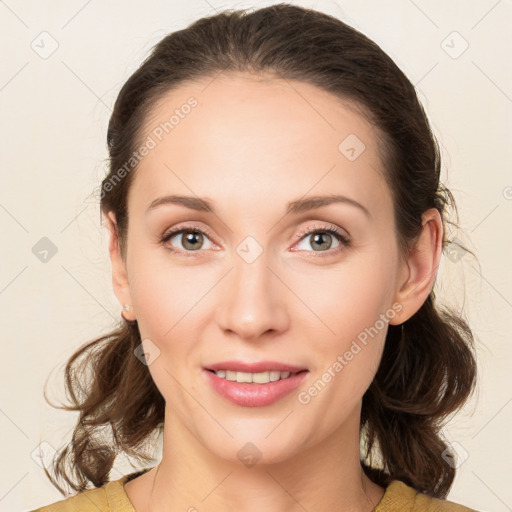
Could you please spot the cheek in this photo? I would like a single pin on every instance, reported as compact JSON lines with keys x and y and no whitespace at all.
{"x":345,"y":300}
{"x":166,"y":299}
{"x":164,"y":293}
{"x":352,"y":309}
{"x":346,"y":364}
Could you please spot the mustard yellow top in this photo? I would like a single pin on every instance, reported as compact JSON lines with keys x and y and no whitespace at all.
{"x":398,"y":497}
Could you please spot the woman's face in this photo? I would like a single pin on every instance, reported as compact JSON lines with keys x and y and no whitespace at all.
{"x":252,"y":286}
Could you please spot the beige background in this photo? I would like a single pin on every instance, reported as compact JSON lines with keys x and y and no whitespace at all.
{"x":55,"y":110}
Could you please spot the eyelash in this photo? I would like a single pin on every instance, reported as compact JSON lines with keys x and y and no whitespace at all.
{"x":343,"y":239}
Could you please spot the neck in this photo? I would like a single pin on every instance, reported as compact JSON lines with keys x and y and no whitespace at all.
{"x":327,"y":476}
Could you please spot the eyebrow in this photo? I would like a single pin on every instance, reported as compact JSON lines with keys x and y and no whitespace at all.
{"x":293,"y":207}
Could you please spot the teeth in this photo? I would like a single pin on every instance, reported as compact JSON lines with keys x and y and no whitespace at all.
{"x":258,"y":378}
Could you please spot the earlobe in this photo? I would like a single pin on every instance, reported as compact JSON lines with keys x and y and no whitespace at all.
{"x":422,"y":264}
{"x":119,"y":274}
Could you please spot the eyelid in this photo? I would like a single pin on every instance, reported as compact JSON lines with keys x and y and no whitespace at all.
{"x":187,"y":227}
{"x":329,"y":228}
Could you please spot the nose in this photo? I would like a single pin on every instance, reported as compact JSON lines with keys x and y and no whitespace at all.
{"x":252,"y":300}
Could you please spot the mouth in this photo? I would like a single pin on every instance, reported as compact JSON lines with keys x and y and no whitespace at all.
{"x":254,"y":389}
{"x":254,"y":378}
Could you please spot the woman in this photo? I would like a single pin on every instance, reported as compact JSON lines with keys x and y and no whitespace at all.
{"x":276,"y":224}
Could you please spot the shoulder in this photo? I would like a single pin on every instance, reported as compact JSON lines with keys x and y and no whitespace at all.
{"x":109,"y":498}
{"x":90,"y":500}
{"x":399,"y":496}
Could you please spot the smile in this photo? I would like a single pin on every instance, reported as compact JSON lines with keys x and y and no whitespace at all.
{"x":255,"y":378}
{"x":254,"y":389}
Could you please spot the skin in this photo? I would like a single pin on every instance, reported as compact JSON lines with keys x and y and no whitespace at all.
{"x":252,"y":144}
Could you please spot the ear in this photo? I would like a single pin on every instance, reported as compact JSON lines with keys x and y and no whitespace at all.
{"x":420,"y":267}
{"x":119,"y":274}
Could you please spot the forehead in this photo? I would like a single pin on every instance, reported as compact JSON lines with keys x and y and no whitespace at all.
{"x":250,"y":135}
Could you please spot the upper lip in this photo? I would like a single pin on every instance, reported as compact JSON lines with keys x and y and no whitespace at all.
{"x":260,"y":366}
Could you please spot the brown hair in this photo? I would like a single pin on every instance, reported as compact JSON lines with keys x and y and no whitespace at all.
{"x":428,"y":367}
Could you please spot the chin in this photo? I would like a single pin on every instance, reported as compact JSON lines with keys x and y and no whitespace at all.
{"x":258,"y":448}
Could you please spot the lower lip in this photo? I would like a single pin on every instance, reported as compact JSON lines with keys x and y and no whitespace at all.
{"x":254,"y":395}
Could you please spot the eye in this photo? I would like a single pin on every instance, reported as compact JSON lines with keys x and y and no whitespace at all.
{"x":323,"y":242}
{"x":192,"y":241}
{"x":195,"y":237}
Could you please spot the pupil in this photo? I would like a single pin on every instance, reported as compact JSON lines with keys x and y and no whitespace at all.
{"x":189,"y":239}
{"x":320,"y":235}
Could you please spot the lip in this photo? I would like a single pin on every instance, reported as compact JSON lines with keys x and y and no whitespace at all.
{"x":260,"y":366}
{"x":251,"y":394}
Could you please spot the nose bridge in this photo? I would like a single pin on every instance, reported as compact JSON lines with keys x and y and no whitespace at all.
{"x":250,"y":304}
{"x":250,"y":271}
